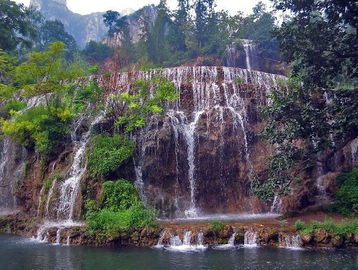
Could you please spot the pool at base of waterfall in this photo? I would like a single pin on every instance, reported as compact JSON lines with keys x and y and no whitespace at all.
{"x":18,"y":253}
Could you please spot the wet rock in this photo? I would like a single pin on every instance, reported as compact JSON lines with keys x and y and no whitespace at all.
{"x":337,"y":241}
{"x":321,"y":236}
{"x":306,"y":238}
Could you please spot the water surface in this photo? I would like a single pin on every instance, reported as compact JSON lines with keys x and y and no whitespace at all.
{"x":18,"y":253}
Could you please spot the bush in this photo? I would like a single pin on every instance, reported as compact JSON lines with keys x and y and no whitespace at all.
{"x":119,"y":210}
{"x":40,"y":127}
{"x":119,"y":195}
{"x":216,"y":226}
{"x":12,"y":106}
{"x":108,"y":153}
{"x":347,"y":193}
{"x":88,"y":94}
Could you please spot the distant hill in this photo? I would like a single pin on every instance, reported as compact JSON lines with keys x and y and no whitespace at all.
{"x":85,"y":28}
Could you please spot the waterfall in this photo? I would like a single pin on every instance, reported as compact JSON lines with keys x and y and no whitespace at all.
{"x":69,"y":188}
{"x":189,"y":133}
{"x":248,"y":47}
{"x":250,"y":239}
{"x":230,"y":244}
{"x":184,"y":246}
{"x":276,"y":205}
{"x":12,"y":165}
{"x":213,"y":96}
{"x":291,"y":242}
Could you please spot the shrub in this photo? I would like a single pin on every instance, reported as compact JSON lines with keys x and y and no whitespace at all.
{"x":40,"y":127}
{"x":216,"y":226}
{"x":88,"y":94}
{"x":12,"y":106}
{"x":119,"y":195}
{"x":347,"y":193}
{"x":108,"y":153}
{"x":120,"y":210}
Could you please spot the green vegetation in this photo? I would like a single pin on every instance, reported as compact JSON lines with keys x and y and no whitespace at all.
{"x":304,"y":128}
{"x":192,"y":31}
{"x":120,"y":209}
{"x":329,"y":225}
{"x":346,"y":195}
{"x":16,"y":26}
{"x":141,"y":104}
{"x":108,"y":153}
{"x":95,"y":52}
{"x":216,"y":226}
{"x":46,"y":124}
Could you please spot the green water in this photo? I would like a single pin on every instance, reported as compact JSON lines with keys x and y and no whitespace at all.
{"x":17,"y":253}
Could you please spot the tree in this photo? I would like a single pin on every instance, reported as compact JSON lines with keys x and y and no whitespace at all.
{"x":116,"y":23}
{"x":16,"y":26}
{"x":310,"y":122}
{"x":45,"y":75}
{"x":179,"y":28}
{"x":96,"y":51}
{"x":51,"y":31}
{"x":320,"y":40}
{"x":158,"y":46}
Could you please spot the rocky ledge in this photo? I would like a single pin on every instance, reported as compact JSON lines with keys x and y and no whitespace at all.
{"x":274,"y":233}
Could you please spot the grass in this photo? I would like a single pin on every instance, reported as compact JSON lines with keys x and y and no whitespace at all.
{"x":347,"y":226}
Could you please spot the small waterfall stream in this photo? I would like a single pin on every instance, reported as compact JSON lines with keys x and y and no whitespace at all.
{"x":291,"y":242}
{"x":68,"y":188}
{"x":248,"y":47}
{"x":250,"y":239}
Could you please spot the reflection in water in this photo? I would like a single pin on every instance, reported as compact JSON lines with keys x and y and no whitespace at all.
{"x":17,"y":253}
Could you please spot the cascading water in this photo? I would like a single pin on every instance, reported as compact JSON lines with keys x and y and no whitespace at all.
{"x":12,"y":164}
{"x":248,"y":47}
{"x":212,"y":105}
{"x":186,"y":245}
{"x":230,"y":244}
{"x":250,"y":239}
{"x":291,"y":242}
{"x":69,"y":188}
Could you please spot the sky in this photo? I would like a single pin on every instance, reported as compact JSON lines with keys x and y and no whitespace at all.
{"x":89,"y":6}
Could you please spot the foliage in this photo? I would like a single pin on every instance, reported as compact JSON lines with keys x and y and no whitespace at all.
{"x":84,"y":95}
{"x":120,"y":210}
{"x":108,"y":153}
{"x":39,"y":127}
{"x":119,"y":195}
{"x":216,"y":226}
{"x":96,"y":51}
{"x":11,"y":107}
{"x":54,"y":31}
{"x":320,"y":40}
{"x":148,"y":98}
{"x":301,"y":124}
{"x":17,"y":29}
{"x":45,"y":76}
{"x":347,"y":193}
{"x":347,"y":226}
